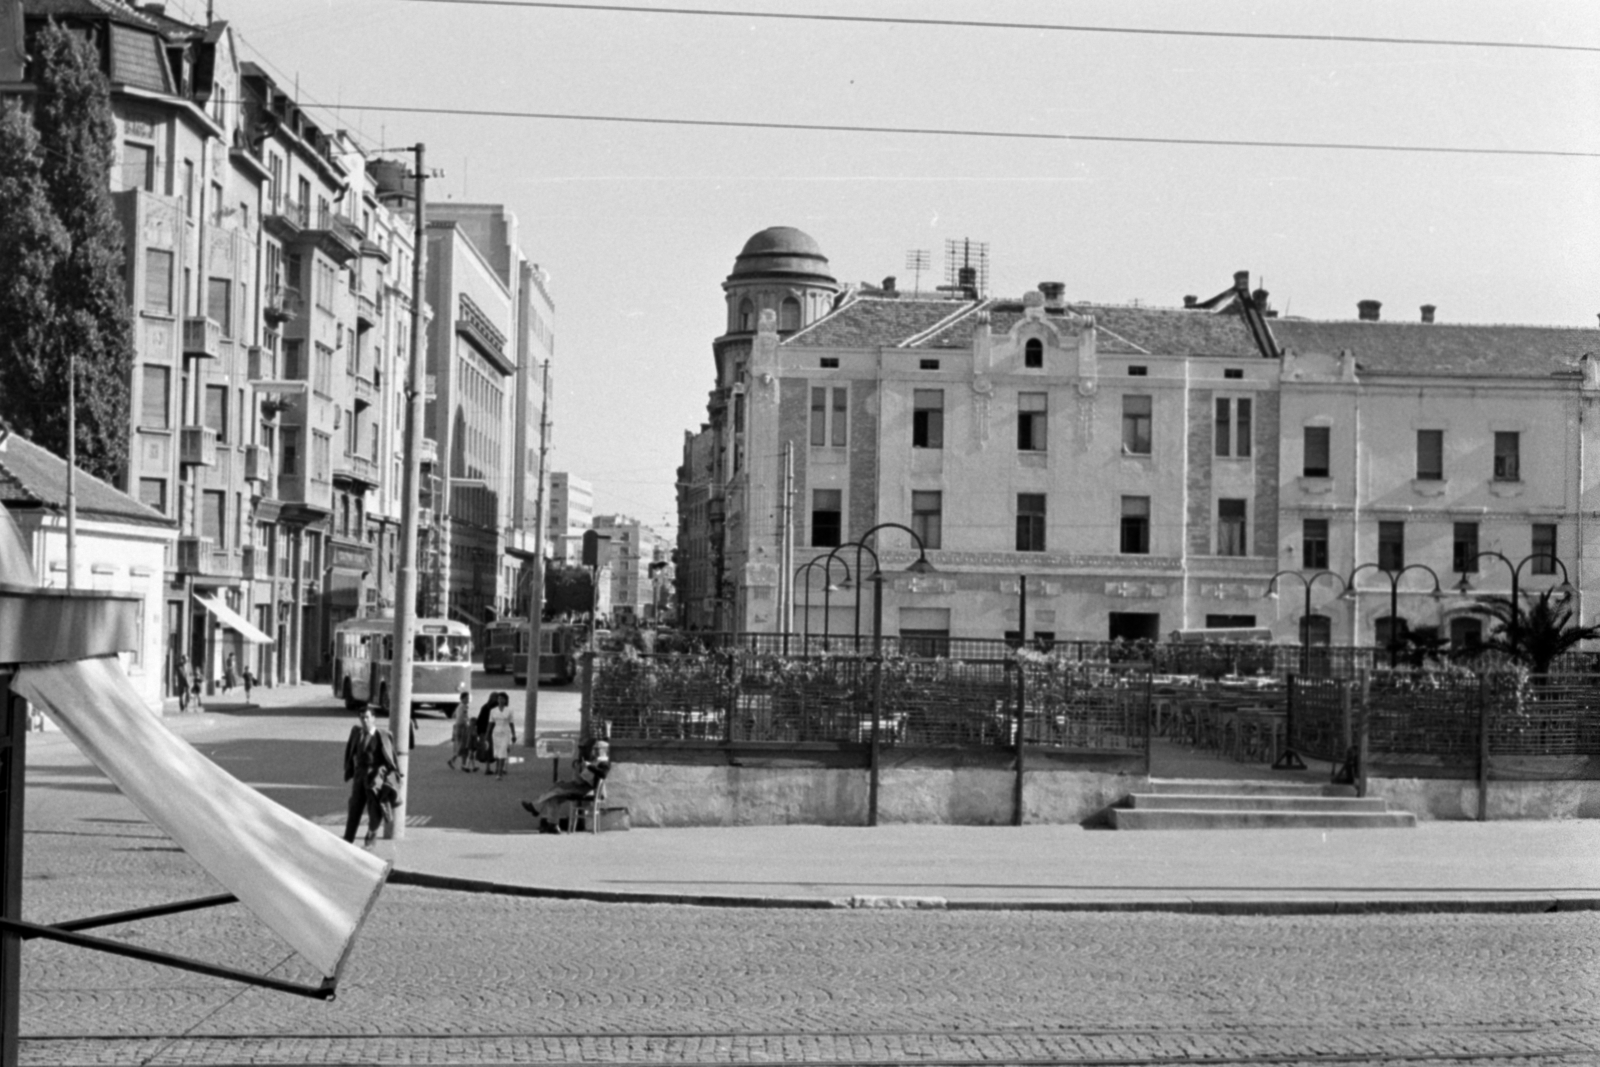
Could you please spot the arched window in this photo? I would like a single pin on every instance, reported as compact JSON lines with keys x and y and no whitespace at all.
{"x":1389,"y":630}
{"x":747,"y":316}
{"x":789,"y":314}
{"x":1316,"y":630}
{"x":1033,"y":353}
{"x":1466,"y":633}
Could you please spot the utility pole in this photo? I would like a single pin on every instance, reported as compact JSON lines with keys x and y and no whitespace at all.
{"x":530,"y":712}
{"x":786,"y":546}
{"x":405,"y":585}
{"x":72,"y":470}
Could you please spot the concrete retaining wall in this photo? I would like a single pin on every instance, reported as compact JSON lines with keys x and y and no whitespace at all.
{"x":662,"y":794}
{"x":1454,"y":798}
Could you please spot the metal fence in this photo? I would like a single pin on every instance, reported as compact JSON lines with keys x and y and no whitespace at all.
{"x":744,"y":696}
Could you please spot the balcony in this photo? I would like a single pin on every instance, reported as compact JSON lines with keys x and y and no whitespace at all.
{"x":356,"y":469}
{"x":286,"y":219}
{"x":367,"y":310}
{"x":430,"y":452}
{"x":366,"y":391}
{"x":257,"y":463}
{"x":224,"y":564}
{"x":194,"y":555}
{"x":253,"y":564}
{"x":202,"y":338}
{"x":197,"y":446}
{"x":424,"y":518}
{"x":281,"y":303}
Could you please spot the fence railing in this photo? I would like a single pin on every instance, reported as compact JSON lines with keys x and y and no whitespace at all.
{"x":742,"y":696}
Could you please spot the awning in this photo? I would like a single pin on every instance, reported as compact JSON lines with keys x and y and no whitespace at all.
{"x":308,"y":885}
{"x":233,"y":620}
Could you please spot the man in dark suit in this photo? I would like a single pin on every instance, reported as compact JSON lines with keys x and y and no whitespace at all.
{"x":371,"y":770}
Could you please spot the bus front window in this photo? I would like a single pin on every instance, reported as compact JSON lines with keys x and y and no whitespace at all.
{"x":457,"y":649}
{"x":422,"y":649}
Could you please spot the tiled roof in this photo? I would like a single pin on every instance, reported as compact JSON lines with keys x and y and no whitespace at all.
{"x":105,"y":9}
{"x":871,"y":321}
{"x":1435,"y":348}
{"x":30,"y":476}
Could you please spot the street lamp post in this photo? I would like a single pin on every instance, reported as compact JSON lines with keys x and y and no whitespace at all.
{"x":919,"y":566}
{"x":1305,"y":619}
{"x":1464,"y":586}
{"x":1394,"y":596}
{"x":860,"y":547}
{"x":827,"y":563}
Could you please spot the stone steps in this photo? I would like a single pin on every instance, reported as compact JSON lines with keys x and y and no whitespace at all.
{"x":1207,"y":804}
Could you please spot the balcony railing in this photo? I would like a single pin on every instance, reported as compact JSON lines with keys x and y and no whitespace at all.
{"x":366,"y":311}
{"x":197,"y":446}
{"x":358,"y":468}
{"x":257,"y":463}
{"x":202,"y":337}
{"x":194,"y":555}
{"x":282,"y":303}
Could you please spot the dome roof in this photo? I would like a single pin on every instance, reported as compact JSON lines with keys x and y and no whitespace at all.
{"x":781,"y":250}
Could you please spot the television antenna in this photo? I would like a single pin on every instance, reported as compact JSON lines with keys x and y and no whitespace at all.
{"x":917,"y":261}
{"x":966,"y":267}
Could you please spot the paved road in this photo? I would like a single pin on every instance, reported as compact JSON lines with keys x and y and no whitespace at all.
{"x":448,"y":977}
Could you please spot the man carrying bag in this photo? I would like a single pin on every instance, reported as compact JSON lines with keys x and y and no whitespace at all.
{"x":374,"y":776}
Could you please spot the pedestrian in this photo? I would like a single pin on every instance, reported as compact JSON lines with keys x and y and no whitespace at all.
{"x":197,"y":688}
{"x":461,"y":747}
{"x":480,"y":731}
{"x":180,"y":681}
{"x":374,"y":777}
{"x":230,"y":673}
{"x":502,"y":733}
{"x":249,"y":681}
{"x":592,"y":766}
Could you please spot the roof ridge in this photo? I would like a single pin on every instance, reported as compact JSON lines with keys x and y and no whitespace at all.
{"x":946,"y":322}
{"x":1131,"y":344}
{"x":849,"y":300}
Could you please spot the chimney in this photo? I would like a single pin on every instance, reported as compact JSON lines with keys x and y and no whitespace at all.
{"x":1367,"y":310}
{"x":1427,"y":312}
{"x":153,"y":9}
{"x":888,"y":284}
{"x":967,"y":279}
{"x":1190,"y":300}
{"x":1260,"y":299}
{"x":1241,"y":280}
{"x":1053,"y":293}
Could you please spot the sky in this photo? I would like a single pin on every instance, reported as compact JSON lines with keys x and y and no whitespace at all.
{"x":638,"y":224}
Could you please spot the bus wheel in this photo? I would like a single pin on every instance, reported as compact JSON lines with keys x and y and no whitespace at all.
{"x":351,"y":702}
{"x":383,"y":699}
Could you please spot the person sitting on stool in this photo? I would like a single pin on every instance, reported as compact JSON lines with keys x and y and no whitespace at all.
{"x":592,"y":765}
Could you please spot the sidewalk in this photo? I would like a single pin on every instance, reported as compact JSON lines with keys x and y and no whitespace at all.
{"x":1502,"y":866}
{"x":468,"y":832}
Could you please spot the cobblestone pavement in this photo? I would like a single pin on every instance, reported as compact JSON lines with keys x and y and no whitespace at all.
{"x":443,"y":977}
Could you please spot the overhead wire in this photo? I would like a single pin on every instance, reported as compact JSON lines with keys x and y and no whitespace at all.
{"x":1051,"y":27}
{"x":927,"y":131}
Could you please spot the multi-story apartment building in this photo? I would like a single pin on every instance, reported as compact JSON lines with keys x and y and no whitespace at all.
{"x":472,"y":358}
{"x":696,"y":575}
{"x":493,"y":233}
{"x":190,"y":204}
{"x":261,"y":267}
{"x":1412,"y":449}
{"x":630,"y":550}
{"x":571,"y":513}
{"x":1143,"y":470}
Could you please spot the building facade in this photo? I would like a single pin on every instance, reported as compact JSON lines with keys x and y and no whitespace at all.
{"x":1143,"y":470}
{"x":631,"y":549}
{"x":571,"y":513}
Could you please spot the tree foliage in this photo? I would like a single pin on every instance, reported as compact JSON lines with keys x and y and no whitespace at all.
{"x":32,"y":243}
{"x":567,"y":591}
{"x":71,"y":304}
{"x":1535,"y":634}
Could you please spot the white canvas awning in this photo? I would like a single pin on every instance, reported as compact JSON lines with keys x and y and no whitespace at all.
{"x":307,"y":884}
{"x":233,"y":620}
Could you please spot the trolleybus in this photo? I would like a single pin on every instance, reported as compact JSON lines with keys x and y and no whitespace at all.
{"x":502,"y":641}
{"x":558,"y":654}
{"x":441,"y":662}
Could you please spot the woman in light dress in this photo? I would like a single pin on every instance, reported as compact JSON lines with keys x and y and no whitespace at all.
{"x":502,"y":734}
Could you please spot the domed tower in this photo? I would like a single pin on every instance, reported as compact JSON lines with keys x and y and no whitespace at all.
{"x":780,"y":269}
